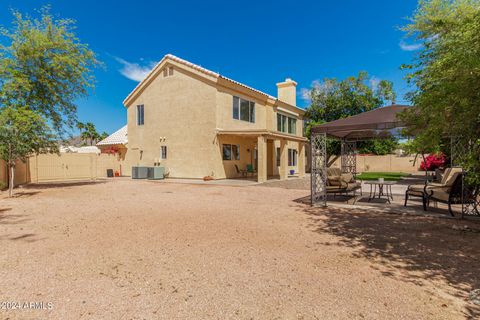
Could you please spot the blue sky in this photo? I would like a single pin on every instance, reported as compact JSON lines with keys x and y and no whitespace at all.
{"x":258,"y":43}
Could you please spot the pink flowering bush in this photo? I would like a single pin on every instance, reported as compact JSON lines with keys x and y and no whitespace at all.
{"x":433,"y":161}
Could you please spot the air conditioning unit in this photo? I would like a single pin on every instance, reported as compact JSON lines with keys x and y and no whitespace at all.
{"x":139,"y":172}
{"x":156,"y":173}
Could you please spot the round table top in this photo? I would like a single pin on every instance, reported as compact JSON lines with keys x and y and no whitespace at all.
{"x":380,"y":182}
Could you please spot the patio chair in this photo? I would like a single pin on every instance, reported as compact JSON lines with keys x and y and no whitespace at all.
{"x":448,"y":194}
{"x":338,"y":182}
{"x":251,"y":169}
{"x":241,"y":172}
{"x":422,"y":190}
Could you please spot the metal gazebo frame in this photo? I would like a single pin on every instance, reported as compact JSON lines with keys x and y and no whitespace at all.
{"x":378,"y":123}
{"x":470,"y":194}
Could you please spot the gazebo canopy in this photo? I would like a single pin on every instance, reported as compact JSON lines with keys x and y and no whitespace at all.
{"x":377,"y":123}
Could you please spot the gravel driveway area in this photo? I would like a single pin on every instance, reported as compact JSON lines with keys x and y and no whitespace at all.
{"x":127,"y":249}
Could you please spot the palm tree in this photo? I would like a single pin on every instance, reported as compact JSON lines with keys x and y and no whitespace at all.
{"x":89,"y":133}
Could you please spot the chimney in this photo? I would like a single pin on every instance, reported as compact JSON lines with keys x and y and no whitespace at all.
{"x":287,"y":91}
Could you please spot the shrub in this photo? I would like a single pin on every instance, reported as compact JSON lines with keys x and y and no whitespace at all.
{"x":433,"y":161}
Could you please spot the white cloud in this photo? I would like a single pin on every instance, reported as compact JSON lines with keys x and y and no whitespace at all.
{"x":134,"y":71}
{"x":305,"y":92}
{"x":374,"y":81}
{"x":410,"y":47}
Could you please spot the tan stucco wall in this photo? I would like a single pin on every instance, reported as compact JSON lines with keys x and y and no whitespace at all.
{"x":3,"y":173}
{"x":184,"y":112}
{"x":386,"y":163}
{"x":289,"y":145}
{"x":265,"y":113}
{"x":21,"y":173}
{"x":247,"y":149}
{"x":225,"y":119}
{"x":180,"y":113}
{"x":63,"y":167}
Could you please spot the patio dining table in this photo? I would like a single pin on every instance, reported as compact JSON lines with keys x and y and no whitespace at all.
{"x":384,"y":189}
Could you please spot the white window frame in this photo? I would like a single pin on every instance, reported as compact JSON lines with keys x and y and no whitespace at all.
{"x":292,"y":157}
{"x":286,"y":128}
{"x":237,"y":107}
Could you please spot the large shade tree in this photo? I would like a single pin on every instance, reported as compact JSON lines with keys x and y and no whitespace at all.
{"x":333,"y":99}
{"x":446,"y":74}
{"x":44,"y":69}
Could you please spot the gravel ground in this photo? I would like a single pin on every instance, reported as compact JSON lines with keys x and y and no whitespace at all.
{"x":143,"y":250}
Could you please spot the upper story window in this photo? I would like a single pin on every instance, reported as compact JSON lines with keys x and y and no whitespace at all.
{"x":168,"y":72}
{"x":292,"y":125}
{"x":140,"y":115}
{"x":286,"y":124}
{"x":243,"y":109}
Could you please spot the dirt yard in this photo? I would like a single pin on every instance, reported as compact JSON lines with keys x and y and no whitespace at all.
{"x":148,"y":250}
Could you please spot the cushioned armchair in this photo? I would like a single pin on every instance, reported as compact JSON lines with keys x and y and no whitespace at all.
{"x":448,"y":194}
{"x":424,"y":190}
{"x":338,"y":182}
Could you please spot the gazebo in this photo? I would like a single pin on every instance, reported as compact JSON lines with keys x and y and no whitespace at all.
{"x":377,"y":123}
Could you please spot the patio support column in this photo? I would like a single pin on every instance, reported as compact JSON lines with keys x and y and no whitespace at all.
{"x":262,"y":158}
{"x":301,"y":159}
{"x":282,"y":171}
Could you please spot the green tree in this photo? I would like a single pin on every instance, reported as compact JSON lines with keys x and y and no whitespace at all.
{"x":332,"y":99}
{"x":45,"y":67}
{"x":89,"y":133}
{"x":22,"y":133}
{"x":103,"y":136}
{"x":446,"y":74}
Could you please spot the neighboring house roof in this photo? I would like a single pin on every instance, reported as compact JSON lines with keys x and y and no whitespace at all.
{"x":75,"y":141}
{"x":73,"y":149}
{"x":195,"y":67}
{"x":116,"y":138}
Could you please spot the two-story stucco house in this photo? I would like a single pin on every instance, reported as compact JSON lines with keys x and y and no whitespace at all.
{"x":198,"y":123}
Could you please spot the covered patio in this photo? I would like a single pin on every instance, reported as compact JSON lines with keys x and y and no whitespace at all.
{"x":271,"y":154}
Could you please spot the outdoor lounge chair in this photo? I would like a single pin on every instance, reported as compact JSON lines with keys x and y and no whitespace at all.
{"x":241,"y":172}
{"x":449,"y":194}
{"x":422,"y":190}
{"x":339,"y":183}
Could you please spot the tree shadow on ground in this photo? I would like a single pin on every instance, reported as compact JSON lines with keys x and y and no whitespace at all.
{"x":24,"y":194}
{"x":415,"y":249}
{"x":51,"y":185}
{"x":6,"y":218}
{"x":25,"y":237}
